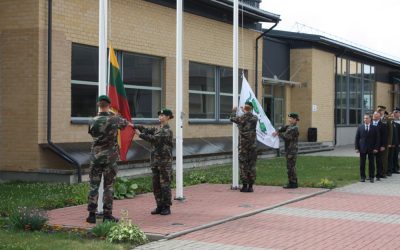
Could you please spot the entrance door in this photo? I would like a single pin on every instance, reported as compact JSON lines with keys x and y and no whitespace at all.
{"x":278,"y":112}
{"x":267,"y":106}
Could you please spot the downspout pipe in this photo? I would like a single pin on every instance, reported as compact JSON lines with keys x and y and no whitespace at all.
{"x":58,"y":150}
{"x":256,"y":70}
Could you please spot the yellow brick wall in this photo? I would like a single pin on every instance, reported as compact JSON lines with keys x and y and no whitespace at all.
{"x":383,"y":95}
{"x":134,"y":25}
{"x":19,"y":84}
{"x":300,"y":97}
{"x":23,"y":48}
{"x":142,"y":27}
{"x":323,"y":94}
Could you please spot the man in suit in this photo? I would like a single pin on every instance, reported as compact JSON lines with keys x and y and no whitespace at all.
{"x":367,"y":144}
{"x":382,"y":130}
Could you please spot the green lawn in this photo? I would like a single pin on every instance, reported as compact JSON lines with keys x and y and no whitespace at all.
{"x":310,"y":169}
{"x":40,"y":240}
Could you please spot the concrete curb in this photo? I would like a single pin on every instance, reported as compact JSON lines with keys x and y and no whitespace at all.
{"x":218,"y":222}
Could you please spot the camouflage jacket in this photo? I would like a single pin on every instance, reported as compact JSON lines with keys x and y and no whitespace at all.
{"x":161,"y":143}
{"x":290,"y":134}
{"x":247,"y":124}
{"x":104,"y":130}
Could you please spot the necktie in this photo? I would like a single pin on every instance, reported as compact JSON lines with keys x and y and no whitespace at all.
{"x":367,"y":128}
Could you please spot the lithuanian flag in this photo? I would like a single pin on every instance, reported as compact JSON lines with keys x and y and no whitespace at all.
{"x":119,"y":104}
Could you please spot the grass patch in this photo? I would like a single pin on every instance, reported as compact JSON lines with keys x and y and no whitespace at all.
{"x":312,"y":171}
{"x":59,"y":240}
{"x":40,"y":195}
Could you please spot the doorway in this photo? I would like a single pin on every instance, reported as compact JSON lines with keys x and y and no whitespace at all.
{"x":274,"y":103}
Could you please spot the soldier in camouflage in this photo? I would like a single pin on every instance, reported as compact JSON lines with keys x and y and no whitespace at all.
{"x":247,"y":124}
{"x":389,"y":132}
{"x":160,"y":160}
{"x":290,"y":134}
{"x":104,"y":156}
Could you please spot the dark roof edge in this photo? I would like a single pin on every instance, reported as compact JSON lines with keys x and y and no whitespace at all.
{"x":262,"y":15}
{"x":333,"y":43}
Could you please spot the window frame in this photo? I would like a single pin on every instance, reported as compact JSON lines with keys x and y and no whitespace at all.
{"x":120,"y":53}
{"x":217,"y":94}
{"x":343,"y":78}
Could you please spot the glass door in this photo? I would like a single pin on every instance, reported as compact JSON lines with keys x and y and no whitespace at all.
{"x":274,"y":103}
{"x":278,"y":112}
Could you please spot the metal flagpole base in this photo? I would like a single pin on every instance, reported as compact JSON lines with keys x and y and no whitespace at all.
{"x":180,"y":198}
{"x":99,"y":218}
{"x":234,"y":187}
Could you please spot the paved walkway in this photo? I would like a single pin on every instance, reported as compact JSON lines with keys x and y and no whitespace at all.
{"x":358,"y":216}
{"x":205,"y":205}
{"x":346,"y":150}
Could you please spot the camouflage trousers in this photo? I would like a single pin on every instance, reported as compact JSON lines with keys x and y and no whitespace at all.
{"x":385,"y":163}
{"x":110,"y":172}
{"x":291,"y":167}
{"x":247,"y":165}
{"x":162,"y":177}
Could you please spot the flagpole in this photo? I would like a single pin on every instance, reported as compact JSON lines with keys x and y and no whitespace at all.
{"x":235,"y":132}
{"x":102,"y":46}
{"x":179,"y":113}
{"x":102,"y":75}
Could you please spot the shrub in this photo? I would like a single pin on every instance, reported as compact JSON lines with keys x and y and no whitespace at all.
{"x":326,"y":183}
{"x":102,"y":230}
{"x":124,"y":188}
{"x":29,"y":219}
{"x":125,"y":231}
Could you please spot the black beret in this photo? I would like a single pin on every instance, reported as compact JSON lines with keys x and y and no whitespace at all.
{"x":249,"y":104}
{"x":166,"y":112}
{"x":104,"y":98}
{"x":294,"y":116}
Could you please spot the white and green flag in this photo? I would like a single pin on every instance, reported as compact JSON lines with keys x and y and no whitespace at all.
{"x":264,"y":126}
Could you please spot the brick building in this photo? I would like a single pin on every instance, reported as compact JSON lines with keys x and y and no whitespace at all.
{"x":330,"y":83}
{"x":44,"y":114}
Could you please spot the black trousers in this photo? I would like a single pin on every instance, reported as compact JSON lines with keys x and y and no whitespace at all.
{"x":379,"y":164}
{"x":363,"y":157}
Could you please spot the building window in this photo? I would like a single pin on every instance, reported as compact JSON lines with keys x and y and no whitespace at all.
{"x":354,"y":91}
{"x":143,"y":78}
{"x":141,"y":74}
{"x":84,"y":76}
{"x":210,"y":91}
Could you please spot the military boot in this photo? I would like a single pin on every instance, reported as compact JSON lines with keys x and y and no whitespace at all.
{"x":157,"y":210}
{"x":91,"y":218}
{"x":244,"y":188}
{"x":250,"y":189}
{"x":111,"y":218}
{"x":165,"y":210}
{"x":290,"y":185}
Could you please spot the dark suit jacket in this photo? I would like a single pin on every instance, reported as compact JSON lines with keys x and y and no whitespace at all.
{"x":366,"y":142}
{"x":382,"y":128}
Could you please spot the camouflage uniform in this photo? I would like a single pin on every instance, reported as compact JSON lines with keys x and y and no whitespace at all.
{"x":160,"y":162}
{"x":385,"y":154}
{"x":104,"y":157}
{"x":290,"y":135}
{"x":247,"y":124}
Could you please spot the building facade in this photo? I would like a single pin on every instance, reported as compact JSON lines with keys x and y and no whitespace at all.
{"x":39,"y":133}
{"x":49,"y":78}
{"x":331,"y":84}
